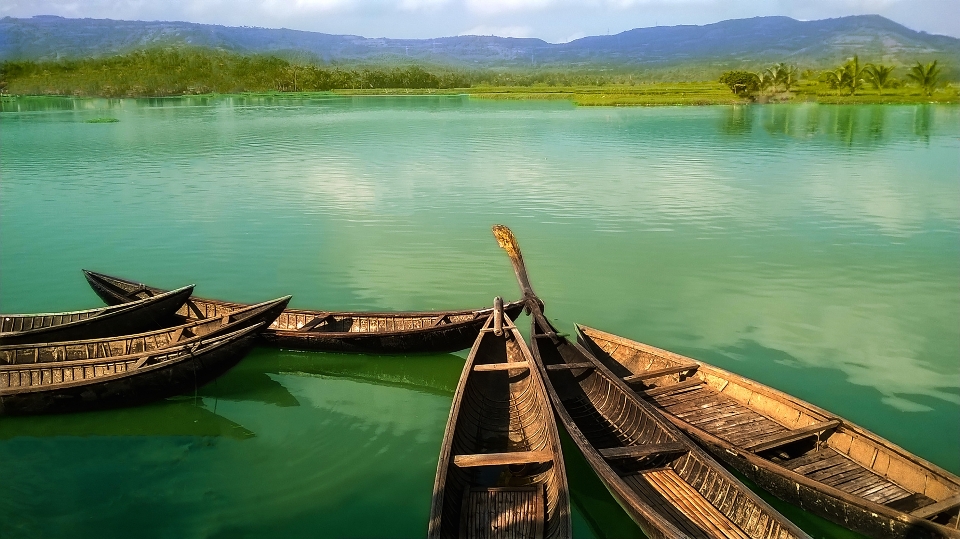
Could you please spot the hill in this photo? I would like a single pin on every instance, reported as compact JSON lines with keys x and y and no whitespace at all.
{"x":693,"y":50}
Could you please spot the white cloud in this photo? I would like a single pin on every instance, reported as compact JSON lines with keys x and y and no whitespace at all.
{"x":494,"y":7}
{"x":421,"y":5}
{"x":502,"y":31}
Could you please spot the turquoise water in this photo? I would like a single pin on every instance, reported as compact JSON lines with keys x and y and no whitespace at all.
{"x":813,"y":248}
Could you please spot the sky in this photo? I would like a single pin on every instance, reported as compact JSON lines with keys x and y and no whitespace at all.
{"x":551,"y":20}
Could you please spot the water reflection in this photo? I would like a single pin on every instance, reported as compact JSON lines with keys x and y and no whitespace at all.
{"x":922,"y":119}
{"x":182,"y":416}
{"x":863,"y":126}
{"x":738,"y":119}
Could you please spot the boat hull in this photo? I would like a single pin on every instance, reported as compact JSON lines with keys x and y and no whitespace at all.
{"x":362,"y":332}
{"x":862,"y":461}
{"x":148,"y":316}
{"x":129,"y":388}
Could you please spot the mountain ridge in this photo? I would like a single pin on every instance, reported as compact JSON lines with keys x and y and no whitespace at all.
{"x":730,"y":44}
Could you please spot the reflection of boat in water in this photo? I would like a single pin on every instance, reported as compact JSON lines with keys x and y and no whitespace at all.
{"x":795,"y":450}
{"x":300,"y":329}
{"x":170,"y":417}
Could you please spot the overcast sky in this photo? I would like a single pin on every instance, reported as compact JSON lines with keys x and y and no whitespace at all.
{"x":552,"y":20}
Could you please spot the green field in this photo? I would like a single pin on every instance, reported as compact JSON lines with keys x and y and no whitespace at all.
{"x":195,"y":71}
{"x":683,"y":93}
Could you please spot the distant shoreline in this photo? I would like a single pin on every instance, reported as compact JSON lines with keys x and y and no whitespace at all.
{"x":652,"y":94}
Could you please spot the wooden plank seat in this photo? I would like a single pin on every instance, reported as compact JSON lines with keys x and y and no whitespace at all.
{"x":316,"y":321}
{"x":501,"y":459}
{"x":672,"y":388}
{"x":567,"y":366}
{"x":782,"y":438}
{"x":646,"y":375}
{"x":503,"y":513}
{"x":935,"y":509}
{"x":486,"y":367}
{"x":640,"y":451}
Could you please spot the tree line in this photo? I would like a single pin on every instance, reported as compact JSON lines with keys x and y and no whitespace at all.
{"x":185,"y":71}
{"x":850,"y":77}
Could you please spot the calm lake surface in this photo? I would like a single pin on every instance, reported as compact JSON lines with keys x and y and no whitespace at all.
{"x":813,"y":248}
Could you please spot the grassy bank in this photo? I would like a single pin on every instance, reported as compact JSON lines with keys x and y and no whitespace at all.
{"x":178,"y":72}
{"x":666,"y":94}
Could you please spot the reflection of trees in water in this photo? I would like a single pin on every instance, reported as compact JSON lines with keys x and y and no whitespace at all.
{"x":847,"y":125}
{"x":737,"y":120}
{"x":878,"y":117}
{"x":922,"y":118}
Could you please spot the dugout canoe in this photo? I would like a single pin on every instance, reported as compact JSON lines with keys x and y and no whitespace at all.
{"x":670,"y":487}
{"x":142,"y":314}
{"x":21,"y":354}
{"x":501,"y":472}
{"x":302,"y":329}
{"x":71,"y":386}
{"x":801,"y":453}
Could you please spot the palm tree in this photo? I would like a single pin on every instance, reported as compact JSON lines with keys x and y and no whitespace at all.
{"x":780,"y":74}
{"x":765,"y":79}
{"x":855,"y":74}
{"x":879,"y":76}
{"x":836,"y":79}
{"x":926,"y":77}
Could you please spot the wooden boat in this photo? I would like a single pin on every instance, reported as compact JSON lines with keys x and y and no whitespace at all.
{"x":300,"y":329}
{"x":670,"y":487}
{"x":69,"y":386}
{"x":20,"y":354}
{"x":801,"y":453}
{"x":148,"y":313}
{"x":501,"y":472}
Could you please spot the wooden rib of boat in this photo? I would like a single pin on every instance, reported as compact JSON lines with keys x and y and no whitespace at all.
{"x":670,"y":487}
{"x":301,"y":329}
{"x":501,"y":472}
{"x":70,"y":386}
{"x":21,"y":354}
{"x":143,"y":314}
{"x":797,"y":451}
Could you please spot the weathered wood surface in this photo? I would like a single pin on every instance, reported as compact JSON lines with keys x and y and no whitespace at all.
{"x":797,"y":451}
{"x":501,"y":472}
{"x":367,"y":332}
{"x":142,"y":342}
{"x":671,"y":489}
{"x":145,"y":314}
{"x":70,"y":386}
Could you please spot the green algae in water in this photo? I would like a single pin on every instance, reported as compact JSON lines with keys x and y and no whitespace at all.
{"x":813,"y":248}
{"x":103,"y":120}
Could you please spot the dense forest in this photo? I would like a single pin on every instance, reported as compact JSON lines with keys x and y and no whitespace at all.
{"x":184,"y":71}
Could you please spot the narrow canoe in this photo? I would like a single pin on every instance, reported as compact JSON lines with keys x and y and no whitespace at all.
{"x":141,"y":315}
{"x":71,"y":386}
{"x":670,"y":487}
{"x":21,"y":354}
{"x":501,"y":472}
{"x":300,"y":329}
{"x":801,"y":453}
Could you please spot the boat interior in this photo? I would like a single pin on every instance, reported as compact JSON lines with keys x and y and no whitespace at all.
{"x":780,"y":429}
{"x":504,"y":474}
{"x":678,"y":485}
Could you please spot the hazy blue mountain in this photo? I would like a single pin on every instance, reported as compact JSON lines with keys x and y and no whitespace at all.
{"x":740,"y":42}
